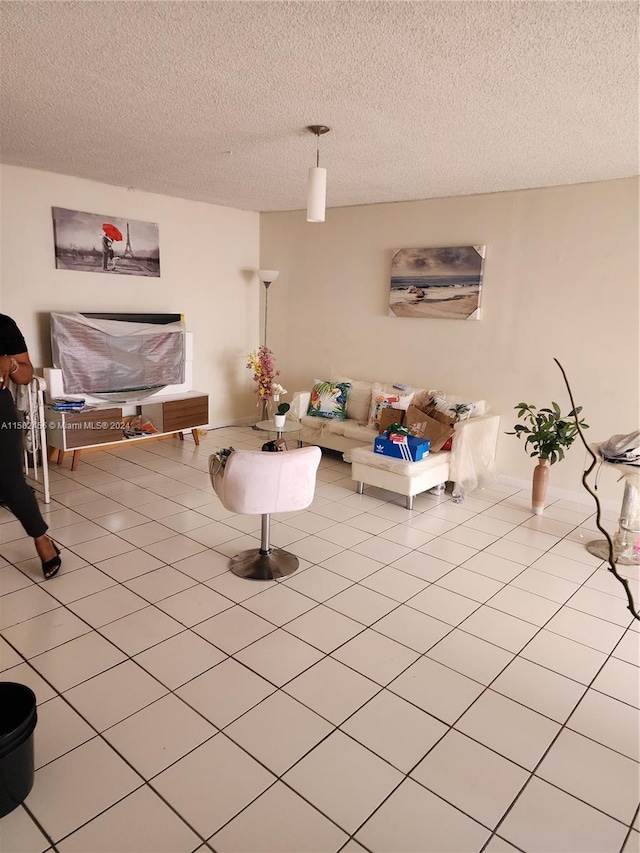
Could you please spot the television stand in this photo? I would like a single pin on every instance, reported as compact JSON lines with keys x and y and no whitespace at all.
{"x":103,"y":426}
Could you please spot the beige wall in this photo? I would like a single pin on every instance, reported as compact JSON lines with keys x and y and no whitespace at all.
{"x":561,"y":279}
{"x":206,"y":255}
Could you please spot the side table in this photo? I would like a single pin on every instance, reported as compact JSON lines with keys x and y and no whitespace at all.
{"x":269,"y":426}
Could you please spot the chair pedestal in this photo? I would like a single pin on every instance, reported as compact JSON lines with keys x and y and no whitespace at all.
{"x":264,"y":563}
{"x":255,"y":565}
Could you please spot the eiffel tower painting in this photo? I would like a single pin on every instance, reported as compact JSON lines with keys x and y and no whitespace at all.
{"x":128,"y":251}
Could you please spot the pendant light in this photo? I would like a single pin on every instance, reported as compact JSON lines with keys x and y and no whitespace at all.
{"x":317,"y":182}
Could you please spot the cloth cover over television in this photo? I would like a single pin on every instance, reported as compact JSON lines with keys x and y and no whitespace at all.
{"x":123,"y":353}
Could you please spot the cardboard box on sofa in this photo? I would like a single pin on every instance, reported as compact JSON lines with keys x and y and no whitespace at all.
{"x":413,"y":450}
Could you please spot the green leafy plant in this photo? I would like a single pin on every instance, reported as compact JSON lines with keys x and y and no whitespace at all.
{"x":283,"y":408}
{"x":547,"y":431}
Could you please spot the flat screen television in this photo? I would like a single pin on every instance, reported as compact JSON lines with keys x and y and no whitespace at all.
{"x":118,"y":355}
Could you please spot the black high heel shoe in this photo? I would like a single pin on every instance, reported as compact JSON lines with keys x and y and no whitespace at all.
{"x":50,"y":568}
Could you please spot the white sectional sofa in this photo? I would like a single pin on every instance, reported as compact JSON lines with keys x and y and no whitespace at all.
{"x":469,"y":463}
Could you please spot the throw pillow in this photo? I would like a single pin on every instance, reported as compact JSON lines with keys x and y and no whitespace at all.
{"x":381,"y":398}
{"x":329,"y":399}
{"x":457,"y":407}
{"x":359,"y":398}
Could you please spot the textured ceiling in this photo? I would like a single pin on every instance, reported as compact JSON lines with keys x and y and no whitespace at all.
{"x":424,"y":99}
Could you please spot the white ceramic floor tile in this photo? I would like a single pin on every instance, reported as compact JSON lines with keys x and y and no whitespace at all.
{"x":314,"y":549}
{"x":448,"y":550}
{"x":546,"y":820}
{"x":260,"y":827}
{"x":539,"y":688}
{"x":279,"y":657}
{"x":129,"y":565}
{"x":20,"y":834}
{"x":140,"y":822}
{"x":493,"y":566}
{"x":375,"y":656}
{"x":628,"y":648}
{"x":436,"y":689}
{"x":203,"y":566}
{"x":44,"y":632}
{"x":593,"y":773}
{"x":412,"y":628}
{"x":115,"y":694}
{"x":23,"y":604}
{"x":470,"y":656}
{"x":156,"y":736}
{"x":423,"y":566}
{"x":470,"y":584}
{"x":499,"y":628}
{"x":59,"y":729}
{"x":621,"y":680}
{"x":225,"y":692}
{"x":141,"y":630}
{"x":160,"y":583}
{"x":402,"y":743}
{"x":405,"y":535}
{"x":279,"y":731}
{"x":608,"y":721}
{"x":362,"y":604}
{"x":525,"y":605}
{"x":106,"y":606}
{"x":77,"y":660}
{"x":332,"y":690}
{"x":206,"y":797}
{"x":174,"y":549}
{"x":324,"y":628}
{"x":586,"y":629}
{"x":381,"y":549}
{"x":179,"y":659}
{"x":25,"y":674}
{"x":565,"y":656}
{"x":498,"y":722}
{"x":68,"y":792}
{"x":102,"y":548}
{"x":233,"y":629}
{"x":194,"y":605}
{"x":317,"y":583}
{"x":414,"y":819}
{"x":123,"y":519}
{"x":545,"y":585}
{"x":471,"y":777}
{"x":279,"y":604}
{"x":449,"y":607}
{"x":352,"y":566}
{"x":393,"y":583}
{"x":330,"y":776}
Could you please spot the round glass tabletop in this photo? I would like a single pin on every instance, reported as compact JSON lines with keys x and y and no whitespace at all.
{"x":269,"y":426}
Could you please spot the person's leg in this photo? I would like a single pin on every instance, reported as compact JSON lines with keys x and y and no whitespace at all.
{"x":14,"y":489}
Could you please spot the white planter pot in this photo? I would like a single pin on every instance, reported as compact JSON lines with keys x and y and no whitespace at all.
{"x":279,"y":421}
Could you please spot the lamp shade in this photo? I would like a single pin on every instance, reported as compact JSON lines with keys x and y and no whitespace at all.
{"x":267,"y":276}
{"x":316,"y":194}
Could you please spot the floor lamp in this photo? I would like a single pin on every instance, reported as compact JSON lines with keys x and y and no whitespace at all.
{"x":266,"y":277}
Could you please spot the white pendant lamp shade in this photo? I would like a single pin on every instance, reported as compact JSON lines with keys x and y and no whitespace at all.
{"x":267,"y":276}
{"x":316,"y":194}
{"x":317,"y":180}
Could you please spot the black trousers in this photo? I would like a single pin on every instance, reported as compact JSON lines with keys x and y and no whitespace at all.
{"x":14,"y":489}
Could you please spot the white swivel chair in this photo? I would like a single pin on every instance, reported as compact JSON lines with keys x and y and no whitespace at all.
{"x":255,"y":482}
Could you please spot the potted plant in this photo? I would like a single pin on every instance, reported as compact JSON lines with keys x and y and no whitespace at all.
{"x":548,"y":433}
{"x":281,"y":414}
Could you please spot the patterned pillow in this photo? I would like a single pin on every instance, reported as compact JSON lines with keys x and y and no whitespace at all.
{"x":381,"y":398}
{"x":457,"y":408}
{"x":329,"y":399}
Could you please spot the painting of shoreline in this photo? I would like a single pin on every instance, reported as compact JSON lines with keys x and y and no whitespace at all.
{"x":441,"y":283}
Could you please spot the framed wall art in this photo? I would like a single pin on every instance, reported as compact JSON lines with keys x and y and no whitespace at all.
{"x":93,"y":242}
{"x":439,"y":284}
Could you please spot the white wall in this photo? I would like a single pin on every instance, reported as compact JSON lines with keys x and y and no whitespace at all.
{"x":561,"y":279}
{"x":206,"y":257}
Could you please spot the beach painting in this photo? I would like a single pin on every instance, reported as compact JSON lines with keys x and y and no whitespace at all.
{"x":439,"y":284}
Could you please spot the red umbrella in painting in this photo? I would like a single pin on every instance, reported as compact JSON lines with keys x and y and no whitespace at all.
{"x":111,"y":231}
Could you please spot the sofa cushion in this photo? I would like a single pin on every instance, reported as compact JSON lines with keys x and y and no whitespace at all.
{"x":381,"y":397}
{"x":334,"y":426}
{"x":457,"y":408}
{"x":359,"y":431}
{"x":328,"y":399}
{"x":358,"y":399}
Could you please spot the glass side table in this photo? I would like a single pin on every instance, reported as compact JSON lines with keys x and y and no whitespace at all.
{"x":287,"y":427}
{"x":626,"y":540}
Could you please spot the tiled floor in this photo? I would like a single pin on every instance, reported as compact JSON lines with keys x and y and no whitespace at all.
{"x":456,"y":678}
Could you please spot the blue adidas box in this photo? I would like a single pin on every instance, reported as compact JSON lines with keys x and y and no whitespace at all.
{"x":413,"y":451}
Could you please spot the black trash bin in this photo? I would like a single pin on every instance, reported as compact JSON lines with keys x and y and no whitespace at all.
{"x":18,"y":718}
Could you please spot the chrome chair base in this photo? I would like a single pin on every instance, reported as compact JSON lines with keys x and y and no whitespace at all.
{"x":255,"y":564}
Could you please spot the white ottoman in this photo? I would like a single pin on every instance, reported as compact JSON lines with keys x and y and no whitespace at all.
{"x":396,"y":475}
